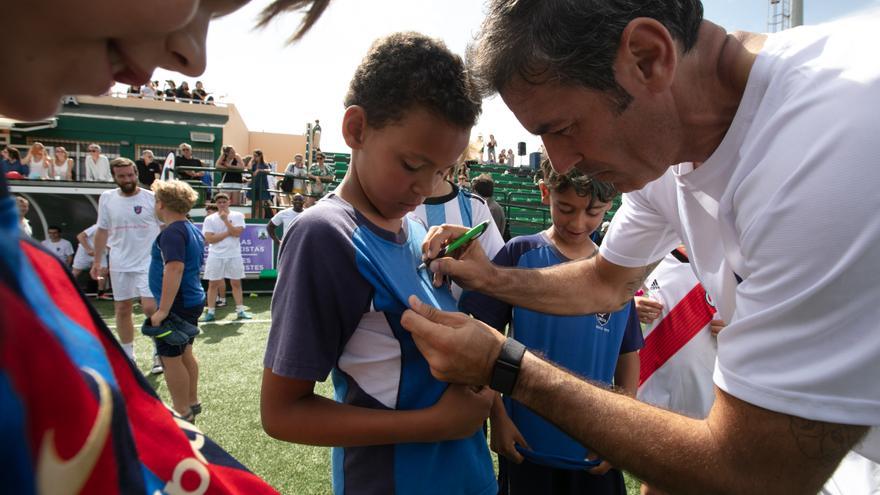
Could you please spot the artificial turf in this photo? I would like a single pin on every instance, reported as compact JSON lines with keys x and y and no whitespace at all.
{"x":230,"y":355}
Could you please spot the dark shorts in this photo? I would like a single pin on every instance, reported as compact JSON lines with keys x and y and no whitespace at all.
{"x":191,"y":315}
{"x":529,"y":478}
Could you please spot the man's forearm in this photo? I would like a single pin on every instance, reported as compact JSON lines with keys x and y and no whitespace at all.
{"x":100,"y":244}
{"x":740,"y":448}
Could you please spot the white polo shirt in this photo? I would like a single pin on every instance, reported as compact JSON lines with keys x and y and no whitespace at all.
{"x":131,"y":225}
{"x":788,"y":203}
{"x":229,"y":247}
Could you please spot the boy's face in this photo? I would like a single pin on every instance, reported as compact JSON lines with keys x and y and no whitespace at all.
{"x":103,"y":41}
{"x":399,"y":165}
{"x":573,"y":218}
{"x":54,"y":235}
{"x":222,"y":205}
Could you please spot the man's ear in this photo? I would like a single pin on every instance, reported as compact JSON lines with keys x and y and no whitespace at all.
{"x":646,"y":58}
{"x":354,"y":126}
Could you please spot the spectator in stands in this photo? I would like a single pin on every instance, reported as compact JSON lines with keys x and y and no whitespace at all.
{"x":62,"y":166}
{"x":260,"y":184}
{"x":294,"y":179}
{"x":176,"y":259}
{"x":222,"y":231}
{"x":149,"y":90}
{"x":97,"y":165}
{"x":134,"y":91}
{"x":60,"y":247}
{"x":285,"y":217}
{"x":485,"y":187}
{"x":185,"y":158}
{"x":321,"y":175}
{"x":502,"y":157}
{"x":13,"y":163}
{"x":170,"y":90}
{"x":463,"y":181}
{"x":23,"y":223}
{"x":4,"y":160}
{"x":37,"y":161}
{"x":490,"y":149}
{"x":148,"y":169}
{"x":183,"y":93}
{"x":511,"y":158}
{"x":85,"y":255}
{"x":232,"y":165}
{"x":199,"y":95}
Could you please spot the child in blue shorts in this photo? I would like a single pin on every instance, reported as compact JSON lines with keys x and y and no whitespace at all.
{"x":174,"y":282}
{"x":345,"y":271}
{"x":536,"y":457}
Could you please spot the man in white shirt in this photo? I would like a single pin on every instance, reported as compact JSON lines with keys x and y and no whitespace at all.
{"x":85,"y":255}
{"x":222,"y":231}
{"x":97,"y":165}
{"x":62,"y":248}
{"x":285,"y":218}
{"x":127,"y":224}
{"x":774,"y":137}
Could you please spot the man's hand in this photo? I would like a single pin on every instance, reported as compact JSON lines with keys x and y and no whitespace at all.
{"x":95,"y":272}
{"x":505,"y":436}
{"x":468,"y":267}
{"x":647,"y":309}
{"x":458,"y":348}
{"x":158,"y":317}
{"x":90,"y":252}
{"x":715,"y":326}
{"x":461,"y":410}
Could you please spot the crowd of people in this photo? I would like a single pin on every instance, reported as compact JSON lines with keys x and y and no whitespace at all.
{"x":172,"y":92}
{"x":710,"y":160}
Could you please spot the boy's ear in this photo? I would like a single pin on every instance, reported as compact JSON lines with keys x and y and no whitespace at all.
{"x":354,"y":126}
{"x":545,"y":193}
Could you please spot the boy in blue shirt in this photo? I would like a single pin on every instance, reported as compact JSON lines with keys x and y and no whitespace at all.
{"x":539,"y":457}
{"x":345,"y":271}
{"x":174,"y":282}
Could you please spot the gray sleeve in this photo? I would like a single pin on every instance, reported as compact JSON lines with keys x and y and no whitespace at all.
{"x":320,"y":297}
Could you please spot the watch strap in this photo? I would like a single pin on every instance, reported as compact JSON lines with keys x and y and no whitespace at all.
{"x":507,"y":366}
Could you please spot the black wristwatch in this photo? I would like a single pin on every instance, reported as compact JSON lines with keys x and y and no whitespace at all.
{"x":507,"y":366}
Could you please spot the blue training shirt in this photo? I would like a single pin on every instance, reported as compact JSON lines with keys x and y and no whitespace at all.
{"x":342,"y":287}
{"x":588,"y":345}
{"x":184,"y":242}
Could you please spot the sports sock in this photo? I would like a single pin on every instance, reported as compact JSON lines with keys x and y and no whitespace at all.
{"x":210,"y":311}
{"x":239,"y":309}
{"x":129,"y":350}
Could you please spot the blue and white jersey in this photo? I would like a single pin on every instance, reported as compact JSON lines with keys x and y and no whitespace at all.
{"x":461,"y":207}
{"x":587,"y":345}
{"x":348,"y":324}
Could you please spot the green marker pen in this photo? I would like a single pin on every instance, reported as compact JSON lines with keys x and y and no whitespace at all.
{"x":468,"y":236}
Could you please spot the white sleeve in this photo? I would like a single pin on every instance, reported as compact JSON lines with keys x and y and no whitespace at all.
{"x":278,"y":218}
{"x":68,"y":248}
{"x":640,"y":232}
{"x":206,"y":225}
{"x":237,"y":220}
{"x":491,"y":240}
{"x":104,"y":211}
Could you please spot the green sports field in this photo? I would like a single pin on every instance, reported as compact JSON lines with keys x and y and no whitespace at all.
{"x":230,"y":355}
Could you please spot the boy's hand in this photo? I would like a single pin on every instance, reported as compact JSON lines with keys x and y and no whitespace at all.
{"x":461,"y":410}
{"x":601,"y":469}
{"x":647,"y":309}
{"x":505,"y":436}
{"x":158,"y":317}
{"x":715,"y":326}
{"x":470,"y":268}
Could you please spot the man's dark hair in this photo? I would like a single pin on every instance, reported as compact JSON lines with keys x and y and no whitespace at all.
{"x":483,"y":185}
{"x":569,"y":41}
{"x":55,"y":227}
{"x":407,"y":70}
{"x":583,"y":185}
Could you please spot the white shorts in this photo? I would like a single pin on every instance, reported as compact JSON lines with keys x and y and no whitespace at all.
{"x":82,"y":261}
{"x":130,"y":285}
{"x":220,"y":268}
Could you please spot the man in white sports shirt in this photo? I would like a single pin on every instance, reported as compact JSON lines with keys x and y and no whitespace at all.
{"x":127,"y":224}
{"x":285,"y":217}
{"x":222,"y":232}
{"x":784,"y":127}
{"x":84,"y":256}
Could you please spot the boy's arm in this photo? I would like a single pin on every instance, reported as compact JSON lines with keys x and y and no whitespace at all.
{"x":83,"y":239}
{"x":290,"y":411}
{"x":626,"y":375}
{"x":233,"y":229}
{"x":504,"y":435}
{"x":171,"y":277}
{"x":100,"y":244}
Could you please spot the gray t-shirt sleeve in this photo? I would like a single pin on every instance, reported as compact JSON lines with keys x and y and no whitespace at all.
{"x":320,"y":296}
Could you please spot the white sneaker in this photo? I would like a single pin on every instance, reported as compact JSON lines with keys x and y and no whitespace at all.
{"x":157,"y":368}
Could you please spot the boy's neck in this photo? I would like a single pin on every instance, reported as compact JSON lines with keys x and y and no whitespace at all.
{"x":572,"y":251}
{"x":351,"y":191}
{"x":169,"y":218}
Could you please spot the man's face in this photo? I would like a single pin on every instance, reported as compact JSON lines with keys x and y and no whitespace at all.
{"x":298,"y":161}
{"x":399,"y":165}
{"x":298,"y":203}
{"x":187,"y":153}
{"x":126,"y":178}
{"x":148,"y":157}
{"x":103,"y":41}
{"x":54,"y":235}
{"x":23,"y":206}
{"x":573,"y":218}
{"x":580,"y":128}
{"x":222,"y":205}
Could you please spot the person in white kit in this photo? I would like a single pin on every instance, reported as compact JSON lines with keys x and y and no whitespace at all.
{"x":85,"y":255}
{"x":127,"y":224}
{"x":784,"y":129}
{"x":62,"y":248}
{"x":285,"y":217}
{"x":222,"y":231}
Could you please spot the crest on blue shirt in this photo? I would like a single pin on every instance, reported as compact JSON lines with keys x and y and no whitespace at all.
{"x":138,"y":209}
{"x":602,"y":318}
